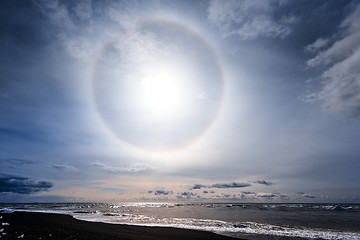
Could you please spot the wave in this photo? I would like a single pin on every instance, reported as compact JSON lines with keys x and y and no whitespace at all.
{"x":222,"y":227}
{"x":6,"y":210}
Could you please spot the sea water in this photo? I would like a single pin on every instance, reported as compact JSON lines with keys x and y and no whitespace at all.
{"x":249,"y":221}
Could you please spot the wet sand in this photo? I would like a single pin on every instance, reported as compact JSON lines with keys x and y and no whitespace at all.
{"x":31,"y":226}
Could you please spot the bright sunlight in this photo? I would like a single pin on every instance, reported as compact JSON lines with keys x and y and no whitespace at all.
{"x":162,"y":91}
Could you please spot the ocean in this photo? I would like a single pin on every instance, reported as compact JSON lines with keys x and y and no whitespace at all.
{"x":241,"y":220}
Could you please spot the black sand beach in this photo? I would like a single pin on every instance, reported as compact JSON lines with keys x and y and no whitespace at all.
{"x":31,"y":226}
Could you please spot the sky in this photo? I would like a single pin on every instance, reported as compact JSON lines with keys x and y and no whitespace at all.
{"x":159,"y":100}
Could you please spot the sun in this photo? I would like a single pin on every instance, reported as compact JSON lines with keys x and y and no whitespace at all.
{"x":162,"y":90}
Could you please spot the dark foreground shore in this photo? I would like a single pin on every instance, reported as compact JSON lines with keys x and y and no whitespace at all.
{"x":31,"y":226}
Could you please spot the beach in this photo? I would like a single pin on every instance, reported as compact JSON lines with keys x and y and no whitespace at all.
{"x":32,"y":225}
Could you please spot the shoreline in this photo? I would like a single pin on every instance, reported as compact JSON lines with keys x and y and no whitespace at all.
{"x":35,"y":225}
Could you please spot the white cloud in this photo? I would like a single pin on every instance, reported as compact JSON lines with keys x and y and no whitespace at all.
{"x":249,"y":19}
{"x":78,"y":47}
{"x":340,"y":91}
{"x":134,"y":168}
{"x":66,"y":19}
{"x":319,"y":44}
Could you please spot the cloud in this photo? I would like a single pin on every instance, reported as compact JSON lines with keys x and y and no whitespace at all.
{"x":198,"y":186}
{"x":306,"y":195}
{"x":12,"y":166}
{"x":68,"y":19}
{"x":187,"y":195}
{"x":57,"y":13}
{"x":318,"y":45}
{"x":253,"y":196}
{"x":266,"y":195}
{"x":23,"y":185}
{"x":230,"y":185}
{"x":78,"y":47}
{"x":283,"y":196}
{"x":16,"y":161}
{"x":221,"y":185}
{"x":263,"y":182}
{"x":249,"y":19}
{"x":339,"y":63}
{"x":83,"y":9}
{"x":247,"y":193}
{"x":63,"y":167}
{"x":134,"y":168}
{"x":162,"y":192}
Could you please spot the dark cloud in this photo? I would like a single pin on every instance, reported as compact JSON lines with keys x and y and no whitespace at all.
{"x":306,"y":195}
{"x":162,"y":192}
{"x":187,"y":195}
{"x":263,"y":182}
{"x":284,"y":196}
{"x":230,"y":185}
{"x":247,"y":193}
{"x":198,"y":186}
{"x":23,"y":185}
{"x":221,"y":185}
{"x":266,"y":195}
{"x":63,"y":167}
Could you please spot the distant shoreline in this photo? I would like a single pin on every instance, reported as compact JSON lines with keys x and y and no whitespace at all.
{"x":34,"y":225}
